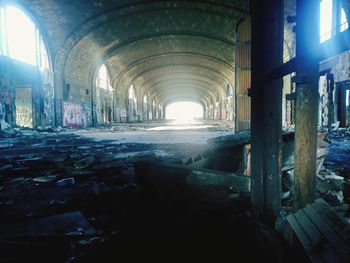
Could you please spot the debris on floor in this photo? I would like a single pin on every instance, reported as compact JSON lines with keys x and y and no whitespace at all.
{"x":104,"y":192}
{"x":85,"y":195}
{"x":323,"y":234}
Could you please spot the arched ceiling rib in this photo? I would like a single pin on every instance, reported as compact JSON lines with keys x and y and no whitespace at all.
{"x":166,"y":94}
{"x":188,"y":98}
{"x":144,"y":75}
{"x":201,"y":85}
{"x":148,"y":43}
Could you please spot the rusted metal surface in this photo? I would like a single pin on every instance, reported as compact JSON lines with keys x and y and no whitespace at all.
{"x":243,"y":105}
{"x":244,"y":30}
{"x":243,"y":75}
{"x":243,"y":53}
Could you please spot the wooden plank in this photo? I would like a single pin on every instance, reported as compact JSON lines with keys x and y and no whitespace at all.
{"x":298,"y":230}
{"x":329,"y":215}
{"x":257,"y":107}
{"x":319,"y":242}
{"x":303,"y":238}
{"x":290,"y":67}
{"x":336,"y":243}
{"x":273,"y":108}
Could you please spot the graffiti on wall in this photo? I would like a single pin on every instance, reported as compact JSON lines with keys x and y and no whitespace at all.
{"x":74,"y":115}
{"x":88,"y":112}
{"x":5,"y":100}
{"x":49,"y":105}
{"x":5,"y":96}
{"x":24,"y":107}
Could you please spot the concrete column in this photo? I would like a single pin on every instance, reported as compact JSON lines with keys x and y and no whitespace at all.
{"x":306,"y":108}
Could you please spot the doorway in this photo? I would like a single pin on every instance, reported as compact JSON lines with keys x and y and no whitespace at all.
{"x":24,"y":106}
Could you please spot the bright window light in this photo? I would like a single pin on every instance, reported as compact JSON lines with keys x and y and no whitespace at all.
{"x":20,"y":36}
{"x":131,"y":93}
{"x":20,"y":39}
{"x":184,"y":111}
{"x":343,"y":21}
{"x":3,"y":46}
{"x":43,"y":56}
{"x":326,"y":20}
{"x":102,"y":77}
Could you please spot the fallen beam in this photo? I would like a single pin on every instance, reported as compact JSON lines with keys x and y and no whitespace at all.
{"x":181,"y":183}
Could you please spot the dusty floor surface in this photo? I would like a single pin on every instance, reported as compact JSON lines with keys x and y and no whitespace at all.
{"x":72,"y":195}
{"x":161,"y":132}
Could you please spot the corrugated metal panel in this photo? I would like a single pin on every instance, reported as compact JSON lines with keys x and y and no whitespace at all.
{"x":243,"y":81}
{"x":243,"y":112}
{"x":243,"y":77}
{"x":244,"y":30}
{"x":243,"y":55}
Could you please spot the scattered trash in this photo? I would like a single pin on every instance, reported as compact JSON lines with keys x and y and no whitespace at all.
{"x":45,"y":179}
{"x":333,"y":198}
{"x":335,"y":126}
{"x":66,"y":181}
{"x":281,"y":222}
{"x":285,"y":195}
{"x":3,"y":124}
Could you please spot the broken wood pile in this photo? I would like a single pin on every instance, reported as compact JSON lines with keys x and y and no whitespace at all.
{"x":321,"y":232}
{"x":333,"y":166}
{"x":333,"y":182}
{"x":233,"y":146}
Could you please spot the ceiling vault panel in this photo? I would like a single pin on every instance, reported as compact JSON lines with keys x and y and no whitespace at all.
{"x":166,"y":49}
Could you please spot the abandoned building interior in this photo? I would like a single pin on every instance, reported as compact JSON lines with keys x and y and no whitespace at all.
{"x":220,"y":121}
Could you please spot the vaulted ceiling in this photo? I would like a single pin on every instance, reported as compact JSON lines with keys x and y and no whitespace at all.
{"x":166,"y":49}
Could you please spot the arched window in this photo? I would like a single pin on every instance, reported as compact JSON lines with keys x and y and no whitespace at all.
{"x":328,"y":25}
{"x":131,"y":93}
{"x":343,"y":21}
{"x":20,"y":38}
{"x":326,"y":10}
{"x":228,"y":90}
{"x":102,"y":79}
{"x":132,"y":99}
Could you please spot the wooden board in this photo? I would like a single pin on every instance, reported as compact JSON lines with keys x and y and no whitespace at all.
{"x":319,"y":234}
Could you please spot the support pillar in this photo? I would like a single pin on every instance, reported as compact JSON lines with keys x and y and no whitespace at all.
{"x":266,"y":125}
{"x":306,"y":108}
{"x":330,"y":91}
{"x":341,"y":104}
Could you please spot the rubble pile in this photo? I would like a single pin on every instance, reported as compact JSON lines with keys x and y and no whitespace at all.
{"x":70,"y":191}
{"x":334,"y":175}
{"x":69,"y":198}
